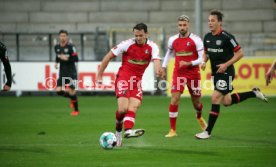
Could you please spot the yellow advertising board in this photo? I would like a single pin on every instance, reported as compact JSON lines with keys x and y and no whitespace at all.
{"x":250,"y":72}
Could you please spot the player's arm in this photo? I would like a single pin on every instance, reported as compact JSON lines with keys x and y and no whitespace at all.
{"x":237,"y":56}
{"x":7,"y":67}
{"x":196,"y":62}
{"x":270,"y":73}
{"x":57,"y":58}
{"x":107,"y":58}
{"x":199,"y":50}
{"x":73,"y":55}
{"x":168,"y":56}
{"x":157,"y":68}
{"x":205,"y":58}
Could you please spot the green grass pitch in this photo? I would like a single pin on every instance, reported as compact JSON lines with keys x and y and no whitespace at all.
{"x":39,"y":132}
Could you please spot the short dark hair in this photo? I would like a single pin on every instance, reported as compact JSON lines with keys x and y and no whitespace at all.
{"x":141,"y":26}
{"x":63,"y":32}
{"x":218,"y":13}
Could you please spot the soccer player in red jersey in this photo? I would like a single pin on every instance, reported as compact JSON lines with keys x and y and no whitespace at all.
{"x":187,"y":48}
{"x":136,"y":56}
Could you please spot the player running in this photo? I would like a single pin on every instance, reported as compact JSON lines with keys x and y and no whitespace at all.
{"x":223,"y":51}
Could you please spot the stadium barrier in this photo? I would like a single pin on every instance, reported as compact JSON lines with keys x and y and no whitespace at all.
{"x":42,"y":76}
{"x":250,"y":72}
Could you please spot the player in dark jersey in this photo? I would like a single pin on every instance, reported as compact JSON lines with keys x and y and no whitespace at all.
{"x":7,"y":66}
{"x":67,"y":56}
{"x":223,"y":51}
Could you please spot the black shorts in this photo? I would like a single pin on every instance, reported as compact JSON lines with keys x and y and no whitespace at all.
{"x":67,"y":80}
{"x":223,"y":83}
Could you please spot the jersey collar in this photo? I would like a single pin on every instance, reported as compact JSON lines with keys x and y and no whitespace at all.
{"x":219,"y":32}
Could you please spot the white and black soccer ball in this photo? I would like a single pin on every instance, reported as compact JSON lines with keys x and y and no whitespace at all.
{"x":108,"y":140}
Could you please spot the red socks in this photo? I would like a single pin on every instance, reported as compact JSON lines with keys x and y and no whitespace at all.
{"x":129,"y":120}
{"x":173,"y":115}
{"x":119,"y":121}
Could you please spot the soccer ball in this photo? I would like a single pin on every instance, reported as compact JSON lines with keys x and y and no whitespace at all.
{"x":108,"y":140}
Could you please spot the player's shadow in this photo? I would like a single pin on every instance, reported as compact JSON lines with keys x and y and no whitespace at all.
{"x":17,"y":149}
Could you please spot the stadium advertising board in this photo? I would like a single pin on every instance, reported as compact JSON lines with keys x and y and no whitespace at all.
{"x":250,"y":72}
{"x":42,"y":76}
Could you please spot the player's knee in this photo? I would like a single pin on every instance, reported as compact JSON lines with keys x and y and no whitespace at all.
{"x":122,"y":110}
{"x":197,"y":106}
{"x":175,"y":100}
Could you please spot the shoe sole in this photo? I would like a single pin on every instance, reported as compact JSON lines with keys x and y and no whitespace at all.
{"x":171,"y":136}
{"x":138,"y":133}
{"x":201,"y":138}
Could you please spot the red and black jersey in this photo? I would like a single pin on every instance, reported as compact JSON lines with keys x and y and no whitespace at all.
{"x":220,"y":48}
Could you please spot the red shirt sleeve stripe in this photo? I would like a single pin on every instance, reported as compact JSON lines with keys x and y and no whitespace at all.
{"x":237,"y":48}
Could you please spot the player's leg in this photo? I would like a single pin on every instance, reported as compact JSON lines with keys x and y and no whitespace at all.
{"x":195,"y":92}
{"x":196,"y":100}
{"x":236,"y":98}
{"x":223,"y":86}
{"x":59,"y":89}
{"x":130,"y":116}
{"x":213,"y":115}
{"x":173,"y":113}
{"x":74,"y":100}
{"x":120,"y":114}
{"x":121,"y":111}
{"x":177,"y":88}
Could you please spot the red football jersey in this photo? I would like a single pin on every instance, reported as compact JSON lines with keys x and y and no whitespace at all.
{"x":136,"y":58}
{"x":185,"y":49}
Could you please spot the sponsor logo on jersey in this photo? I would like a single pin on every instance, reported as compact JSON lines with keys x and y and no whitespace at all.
{"x":138,"y":62}
{"x":208,"y":41}
{"x":184,"y":53}
{"x":146,"y":51}
{"x":233,"y":43}
{"x":215,"y":50}
{"x":66,"y":50}
{"x":218,"y":42}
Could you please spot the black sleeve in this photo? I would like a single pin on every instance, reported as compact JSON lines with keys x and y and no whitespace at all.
{"x":57,"y":58}
{"x":6,"y":63}
{"x":232,"y":43}
{"x":73,"y":54}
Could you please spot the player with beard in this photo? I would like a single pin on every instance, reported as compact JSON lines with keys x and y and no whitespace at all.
{"x":187,"y":48}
